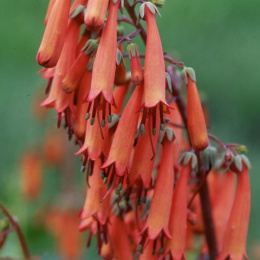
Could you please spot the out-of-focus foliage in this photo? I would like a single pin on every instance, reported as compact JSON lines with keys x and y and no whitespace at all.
{"x":219,"y":39}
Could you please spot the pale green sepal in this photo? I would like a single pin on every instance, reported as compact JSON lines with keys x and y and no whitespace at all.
{"x":77,"y":11}
{"x":119,"y":57}
{"x":238,"y":162}
{"x":169,"y":81}
{"x":246,"y":161}
{"x":190,"y":71}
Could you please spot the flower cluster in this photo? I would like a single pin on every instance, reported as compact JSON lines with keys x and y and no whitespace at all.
{"x":146,"y":154}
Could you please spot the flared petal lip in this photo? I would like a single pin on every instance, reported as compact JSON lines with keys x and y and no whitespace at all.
{"x":108,"y":97}
{"x":119,"y":170}
{"x":48,"y":102}
{"x":90,"y":155}
{"x":168,"y":107}
{"x":154,"y":235}
{"x":224,"y":256}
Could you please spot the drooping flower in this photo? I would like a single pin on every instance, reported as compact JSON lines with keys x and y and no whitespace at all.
{"x":95,"y":14}
{"x":178,"y":218}
{"x":195,"y":117}
{"x":95,"y":193}
{"x":57,"y":97}
{"x":62,"y":223}
{"x":222,"y":191}
{"x":159,"y":213}
{"x":119,"y":239}
{"x":154,"y":67}
{"x":234,"y":242}
{"x":54,"y":34}
{"x":124,"y":137}
{"x":103,"y":76}
{"x":137,"y":76}
{"x":31,"y":174}
{"x":144,"y":157}
{"x":95,"y":140}
{"x":75,"y":73}
{"x":50,"y":5}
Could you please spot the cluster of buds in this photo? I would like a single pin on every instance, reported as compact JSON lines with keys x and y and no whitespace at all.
{"x":144,"y":152}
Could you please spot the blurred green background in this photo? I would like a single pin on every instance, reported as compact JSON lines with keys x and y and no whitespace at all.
{"x":219,"y":39}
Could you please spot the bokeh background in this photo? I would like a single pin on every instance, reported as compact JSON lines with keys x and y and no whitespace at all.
{"x":219,"y":39}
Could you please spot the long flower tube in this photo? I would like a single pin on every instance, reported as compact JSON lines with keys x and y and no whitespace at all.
{"x":101,"y":91}
{"x":234,"y":242}
{"x":154,"y":68}
{"x":54,"y":34}
{"x":178,"y":218}
{"x":159,"y":213}
{"x":122,"y":143}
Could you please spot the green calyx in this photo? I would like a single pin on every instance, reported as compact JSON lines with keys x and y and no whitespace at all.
{"x":189,"y":157}
{"x":132,"y":50}
{"x":77,"y":11}
{"x":151,"y":7}
{"x":158,"y":3}
{"x":188,"y":71}
{"x":90,"y":47}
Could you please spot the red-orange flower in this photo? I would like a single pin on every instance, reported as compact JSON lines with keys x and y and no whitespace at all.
{"x":57,"y":97}
{"x":154,"y":67}
{"x":135,"y":64}
{"x":95,"y":14}
{"x":159,"y":213}
{"x":95,"y":193}
{"x":119,"y":239}
{"x":178,"y":218}
{"x":54,"y":34}
{"x":124,"y":137}
{"x":31,"y":174}
{"x":195,"y":117}
{"x":234,"y":243}
{"x":103,"y":76}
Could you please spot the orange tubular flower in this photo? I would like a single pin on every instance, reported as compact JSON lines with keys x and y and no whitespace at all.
{"x":63,"y":224}
{"x":222,"y":191}
{"x":119,"y":95}
{"x":95,"y":193}
{"x":178,"y":218}
{"x":95,"y":14}
{"x":31,"y":175}
{"x":154,"y":67}
{"x":57,"y":97}
{"x":94,"y":143}
{"x":195,"y":117}
{"x":104,"y":69}
{"x":54,"y":34}
{"x":158,"y":218}
{"x":51,"y":4}
{"x":122,"y":143}
{"x":137,"y":76}
{"x":234,"y":243}
{"x":119,"y":239}
{"x":75,"y":73}
{"x":144,"y":157}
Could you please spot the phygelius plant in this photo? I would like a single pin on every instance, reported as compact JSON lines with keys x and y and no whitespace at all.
{"x":152,"y":167}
